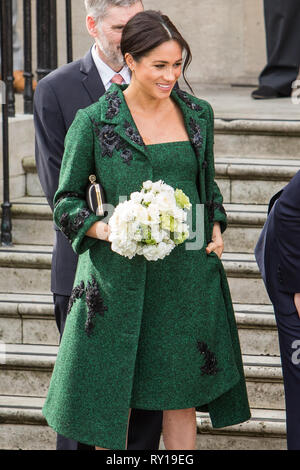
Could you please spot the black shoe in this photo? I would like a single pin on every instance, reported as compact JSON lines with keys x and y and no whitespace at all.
{"x":267,"y":93}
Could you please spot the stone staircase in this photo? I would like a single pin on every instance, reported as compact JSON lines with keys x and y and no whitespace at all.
{"x":254,"y":159}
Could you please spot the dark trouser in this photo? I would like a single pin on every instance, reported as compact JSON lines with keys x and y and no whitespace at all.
{"x":282,"y":23}
{"x":144,"y":426}
{"x":289,"y":342}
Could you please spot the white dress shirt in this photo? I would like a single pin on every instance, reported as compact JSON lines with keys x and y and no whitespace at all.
{"x":106,"y":73}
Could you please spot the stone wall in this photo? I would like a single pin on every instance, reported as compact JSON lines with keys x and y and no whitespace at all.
{"x":227,"y":37}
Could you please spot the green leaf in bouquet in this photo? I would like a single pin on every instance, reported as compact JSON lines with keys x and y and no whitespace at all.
{"x":180,"y":238}
{"x":167,"y":222}
{"x":150,"y":242}
{"x":144,"y":230}
{"x":182,"y":200}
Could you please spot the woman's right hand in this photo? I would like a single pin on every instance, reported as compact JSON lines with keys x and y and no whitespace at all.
{"x":99,"y":230}
{"x":102,"y":231}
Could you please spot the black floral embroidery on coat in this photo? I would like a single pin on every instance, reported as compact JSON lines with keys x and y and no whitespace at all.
{"x":133,"y":134}
{"x":110,"y":141}
{"x":197,"y":138}
{"x":185,"y":98}
{"x":70,"y":228}
{"x":79,"y":220}
{"x":211,"y":207}
{"x":126,"y":156}
{"x":114,"y":104}
{"x":77,"y":293}
{"x":64,"y":196}
{"x":95,"y":305}
{"x":66,"y":225}
{"x":210,"y":365}
{"x":93,"y":300}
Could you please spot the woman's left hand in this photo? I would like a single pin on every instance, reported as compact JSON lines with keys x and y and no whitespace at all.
{"x":216,"y":245}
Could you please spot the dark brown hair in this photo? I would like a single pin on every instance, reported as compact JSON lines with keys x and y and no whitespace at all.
{"x":148,"y":30}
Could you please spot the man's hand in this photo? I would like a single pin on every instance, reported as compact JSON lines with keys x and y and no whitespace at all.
{"x":297,"y":303}
{"x":216,"y":244}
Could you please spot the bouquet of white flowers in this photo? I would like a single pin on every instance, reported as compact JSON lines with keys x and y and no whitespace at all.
{"x":151,"y":223}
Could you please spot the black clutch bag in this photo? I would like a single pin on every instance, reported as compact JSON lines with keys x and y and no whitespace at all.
{"x":95,"y":196}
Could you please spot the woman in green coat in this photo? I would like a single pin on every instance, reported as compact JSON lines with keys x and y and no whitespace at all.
{"x":156,"y":335}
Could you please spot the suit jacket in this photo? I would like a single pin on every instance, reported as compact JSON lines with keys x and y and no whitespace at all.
{"x":278,"y":249}
{"x":57,"y":99}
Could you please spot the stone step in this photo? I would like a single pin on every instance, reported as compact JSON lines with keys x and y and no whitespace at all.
{"x":257,"y":138}
{"x":28,"y":319}
{"x":257,"y":329}
{"x":32,"y":222}
{"x":233,"y":175}
{"x":26,"y":268}
{"x":245,"y":282}
{"x":23,"y":427}
{"x":253,"y":180}
{"x":245,"y":223}
{"x":26,"y":370}
{"x":33,"y":186}
{"x":266,"y":430}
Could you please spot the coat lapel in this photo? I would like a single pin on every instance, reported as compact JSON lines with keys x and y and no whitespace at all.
{"x":91,"y":79}
{"x":194,"y":120}
{"x":115,"y":113}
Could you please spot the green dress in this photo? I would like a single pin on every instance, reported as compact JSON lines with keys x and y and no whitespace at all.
{"x":178,"y":314}
{"x":142,"y":334}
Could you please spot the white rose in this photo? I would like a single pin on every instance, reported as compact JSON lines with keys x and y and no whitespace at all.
{"x":147,"y":185}
{"x":148,"y":197}
{"x":141,"y":214}
{"x":166,"y":187}
{"x":150,"y":252}
{"x":179,"y":214}
{"x":136,"y":197}
{"x":154,"y":213}
{"x":127,"y":211}
{"x":128,"y":250}
{"x":157,"y":186}
{"x":157,"y":234}
{"x":165,"y":202}
{"x":164,"y":249}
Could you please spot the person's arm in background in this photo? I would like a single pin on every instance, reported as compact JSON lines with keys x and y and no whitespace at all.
{"x":50,"y":132}
{"x":287,"y":226}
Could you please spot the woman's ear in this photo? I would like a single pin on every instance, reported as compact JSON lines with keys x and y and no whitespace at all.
{"x":129,"y":61}
{"x":91,"y":26}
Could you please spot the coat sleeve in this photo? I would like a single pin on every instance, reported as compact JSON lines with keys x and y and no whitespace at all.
{"x":287,"y":228}
{"x":50,"y":132}
{"x":214,"y":198}
{"x":71,"y":213}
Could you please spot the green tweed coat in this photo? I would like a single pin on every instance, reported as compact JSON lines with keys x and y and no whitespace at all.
{"x":97,"y":368}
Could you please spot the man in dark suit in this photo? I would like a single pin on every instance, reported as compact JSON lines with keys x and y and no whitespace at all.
{"x":58,"y":97}
{"x":278,"y":256}
{"x":282,"y":22}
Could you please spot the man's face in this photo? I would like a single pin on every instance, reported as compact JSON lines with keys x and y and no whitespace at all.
{"x":110,"y":33}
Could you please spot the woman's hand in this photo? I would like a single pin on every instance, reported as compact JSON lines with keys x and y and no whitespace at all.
{"x":216,"y":244}
{"x":99,"y":230}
